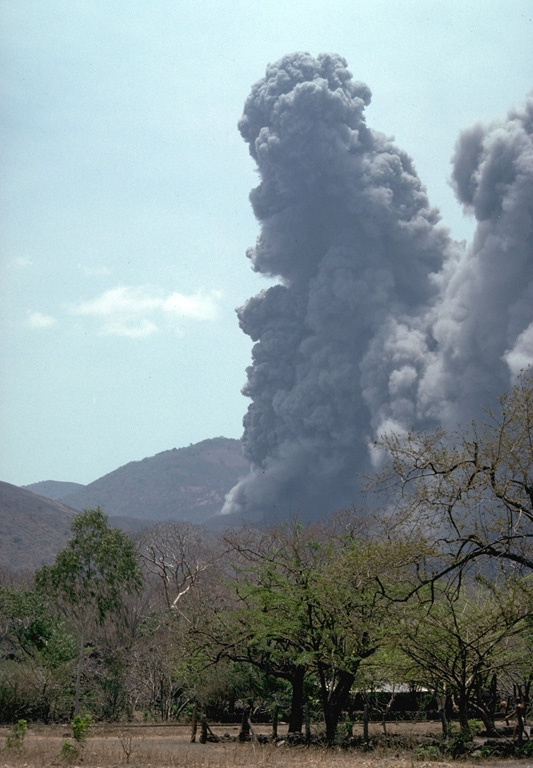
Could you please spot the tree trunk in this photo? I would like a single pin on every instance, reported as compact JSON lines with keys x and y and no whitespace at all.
{"x":334,"y":703}
{"x":520,"y":724}
{"x":463,"y":709}
{"x":275,"y":717}
{"x":307,"y":716}
{"x":443,"y":698}
{"x":486,"y":706}
{"x":244,"y":734}
{"x":194,"y":723}
{"x":444,"y":721}
{"x":78,"y":676}
{"x":296,"y":717}
{"x":203,"y":732}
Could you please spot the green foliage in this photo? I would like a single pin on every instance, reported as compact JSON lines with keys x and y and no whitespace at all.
{"x":72,"y":752}
{"x":93,"y":572}
{"x":36,"y":650}
{"x":458,"y":639}
{"x":80,"y":727}
{"x":69,"y":752}
{"x":310,"y":605}
{"x":526,"y":750}
{"x":31,"y":629}
{"x":90,"y":578}
{"x":429,"y":752}
{"x":475,"y":727}
{"x":15,"y":737}
{"x":459,"y":741}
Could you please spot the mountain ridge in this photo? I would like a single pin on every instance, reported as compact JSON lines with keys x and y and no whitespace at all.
{"x":187,"y":483}
{"x":53,"y":489}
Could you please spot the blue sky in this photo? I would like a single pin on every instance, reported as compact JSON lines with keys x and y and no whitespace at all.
{"x":125,"y":196}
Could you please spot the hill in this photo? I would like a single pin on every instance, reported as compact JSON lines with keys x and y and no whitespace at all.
{"x":32,"y":528}
{"x":53,"y":489}
{"x":179,"y":484}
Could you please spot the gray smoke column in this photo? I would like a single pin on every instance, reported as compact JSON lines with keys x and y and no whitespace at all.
{"x":484,"y":318}
{"x":380,"y":321}
{"x":342,"y":342}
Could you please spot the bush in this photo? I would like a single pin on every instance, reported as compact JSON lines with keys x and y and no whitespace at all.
{"x":526,"y":750}
{"x":462,"y":741}
{"x":69,"y":752}
{"x":459,"y":742}
{"x":15,"y":737}
{"x":80,"y":727}
{"x":427,"y":753}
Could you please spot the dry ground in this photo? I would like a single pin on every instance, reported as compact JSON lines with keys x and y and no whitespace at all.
{"x":170,"y":747}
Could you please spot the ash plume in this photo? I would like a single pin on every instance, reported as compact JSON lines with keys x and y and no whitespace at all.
{"x":484,"y":317}
{"x":375,"y":323}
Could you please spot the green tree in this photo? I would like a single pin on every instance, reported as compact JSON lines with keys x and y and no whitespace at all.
{"x":265,"y":623}
{"x":460,"y":642}
{"x":90,"y":578}
{"x":39,"y":645}
{"x":354,"y":611}
{"x":311,"y":604}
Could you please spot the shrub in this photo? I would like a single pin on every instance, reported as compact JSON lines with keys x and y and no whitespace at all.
{"x":15,"y":737}
{"x":427,"y":753}
{"x":526,"y":750}
{"x":69,"y":752}
{"x":80,"y":727}
{"x":459,"y":742}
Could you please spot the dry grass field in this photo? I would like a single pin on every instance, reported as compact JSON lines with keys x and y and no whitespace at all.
{"x":170,"y":747}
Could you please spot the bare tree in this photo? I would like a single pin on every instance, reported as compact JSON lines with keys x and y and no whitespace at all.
{"x":471,"y":492}
{"x":176,"y":554}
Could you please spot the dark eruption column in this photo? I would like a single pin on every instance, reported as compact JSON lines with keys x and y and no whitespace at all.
{"x":341,"y":340}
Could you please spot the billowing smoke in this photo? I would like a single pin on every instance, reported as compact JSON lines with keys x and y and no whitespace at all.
{"x":379,"y":320}
{"x":484,"y":317}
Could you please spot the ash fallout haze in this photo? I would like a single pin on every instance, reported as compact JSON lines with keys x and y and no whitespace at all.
{"x":392,"y":278}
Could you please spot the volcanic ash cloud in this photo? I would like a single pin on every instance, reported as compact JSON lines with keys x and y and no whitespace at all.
{"x":354,"y":338}
{"x":484,"y":317}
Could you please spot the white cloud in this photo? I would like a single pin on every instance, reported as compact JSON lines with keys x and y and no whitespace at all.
{"x":198,"y":306}
{"x":137,"y":312}
{"x":39,"y":320}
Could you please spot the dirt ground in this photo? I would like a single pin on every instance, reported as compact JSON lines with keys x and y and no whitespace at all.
{"x":169,"y":746}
